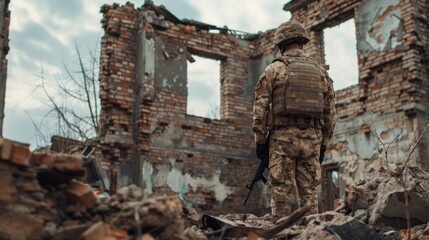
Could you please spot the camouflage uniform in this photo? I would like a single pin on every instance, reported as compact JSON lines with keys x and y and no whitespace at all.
{"x":294,"y":148}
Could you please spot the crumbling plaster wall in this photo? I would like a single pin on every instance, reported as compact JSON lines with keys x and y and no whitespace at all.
{"x":148,"y":139}
{"x":391,"y":97}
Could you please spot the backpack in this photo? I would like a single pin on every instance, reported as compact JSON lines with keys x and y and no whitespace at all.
{"x":301,"y":92}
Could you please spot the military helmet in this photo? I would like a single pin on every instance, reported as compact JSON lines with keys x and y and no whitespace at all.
{"x":291,"y":31}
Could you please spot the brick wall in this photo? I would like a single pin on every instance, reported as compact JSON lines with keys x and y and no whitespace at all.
{"x":147,"y":138}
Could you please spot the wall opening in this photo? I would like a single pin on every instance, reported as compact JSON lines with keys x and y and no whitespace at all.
{"x":341,"y":54}
{"x":332,"y":186}
{"x":204,"y":88}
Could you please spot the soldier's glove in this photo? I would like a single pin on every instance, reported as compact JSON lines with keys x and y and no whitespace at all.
{"x":261,"y":150}
{"x":322,"y":154}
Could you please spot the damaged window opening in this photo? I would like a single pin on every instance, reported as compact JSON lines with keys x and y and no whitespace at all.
{"x":204,"y":88}
{"x":341,"y":54}
{"x":332,"y":187}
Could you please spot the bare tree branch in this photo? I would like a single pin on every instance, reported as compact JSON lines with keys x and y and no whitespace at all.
{"x":39,"y":133}
{"x":95,"y":65}
{"x":86,"y":87}
{"x":73,"y":93}
{"x":74,"y":122}
{"x":413,"y":147}
{"x":385,"y":149}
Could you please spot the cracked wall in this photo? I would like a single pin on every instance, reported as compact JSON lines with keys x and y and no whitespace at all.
{"x":390,"y":102}
{"x":147,"y":138}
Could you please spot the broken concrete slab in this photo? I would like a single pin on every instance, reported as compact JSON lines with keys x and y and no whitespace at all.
{"x":327,"y":226}
{"x":383,"y":198}
{"x":354,"y":230}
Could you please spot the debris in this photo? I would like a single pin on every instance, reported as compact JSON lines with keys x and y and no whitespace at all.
{"x":383,"y":199}
{"x":77,"y":192}
{"x":47,"y":199}
{"x":102,"y":230}
{"x":15,"y":152}
{"x":146,"y":237}
{"x":236,"y":229}
{"x":285,"y":223}
{"x":354,"y":230}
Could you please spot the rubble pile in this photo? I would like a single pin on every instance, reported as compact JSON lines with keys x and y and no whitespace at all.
{"x":330,"y":225}
{"x":24,"y":213}
{"x":42,"y":196}
{"x":375,"y":209}
{"x":381,"y":202}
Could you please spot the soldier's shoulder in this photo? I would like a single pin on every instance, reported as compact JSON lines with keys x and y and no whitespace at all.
{"x":274,"y":66}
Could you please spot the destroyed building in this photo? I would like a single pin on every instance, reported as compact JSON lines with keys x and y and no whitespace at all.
{"x":147,"y":137}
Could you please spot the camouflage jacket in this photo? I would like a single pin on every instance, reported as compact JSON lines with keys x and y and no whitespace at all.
{"x":275,"y":72}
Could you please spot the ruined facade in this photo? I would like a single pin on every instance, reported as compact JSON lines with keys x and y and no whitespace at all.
{"x":390,"y":102}
{"x":4,"y":49}
{"x":147,"y":138}
{"x":146,"y":132}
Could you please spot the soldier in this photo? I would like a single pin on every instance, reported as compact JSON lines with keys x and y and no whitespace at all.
{"x":295,"y":104}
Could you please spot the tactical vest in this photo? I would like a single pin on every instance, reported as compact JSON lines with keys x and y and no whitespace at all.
{"x":301,"y":92}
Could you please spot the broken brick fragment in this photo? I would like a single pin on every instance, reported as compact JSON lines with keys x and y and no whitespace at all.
{"x":6,"y":149}
{"x":77,"y":192}
{"x":21,"y":155}
{"x":16,"y":152}
{"x":59,"y":162}
{"x":7,"y":190}
{"x":70,"y":163}
{"x":39,"y":158}
{"x":103,"y":230}
{"x":146,"y":237}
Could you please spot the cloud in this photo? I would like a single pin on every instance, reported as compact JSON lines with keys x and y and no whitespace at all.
{"x":243,"y":15}
{"x":43,"y":33}
{"x":63,"y":9}
{"x":203,"y":87}
{"x":181,"y":8}
{"x":341,"y":54}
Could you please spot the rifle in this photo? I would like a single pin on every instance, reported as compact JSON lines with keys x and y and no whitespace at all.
{"x":259,"y":174}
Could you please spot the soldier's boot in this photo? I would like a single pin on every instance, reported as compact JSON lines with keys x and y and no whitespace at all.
{"x":312,"y":198}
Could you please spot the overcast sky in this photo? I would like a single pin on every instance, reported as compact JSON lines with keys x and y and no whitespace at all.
{"x":45,"y":32}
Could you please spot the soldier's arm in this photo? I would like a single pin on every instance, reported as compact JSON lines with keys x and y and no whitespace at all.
{"x":329,"y":112}
{"x":261,"y":107}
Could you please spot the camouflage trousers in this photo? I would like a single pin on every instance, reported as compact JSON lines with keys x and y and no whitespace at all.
{"x":294,"y":160}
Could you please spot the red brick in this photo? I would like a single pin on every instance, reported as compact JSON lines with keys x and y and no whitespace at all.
{"x":21,"y":155}
{"x":6,"y":148}
{"x":78,"y":192}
